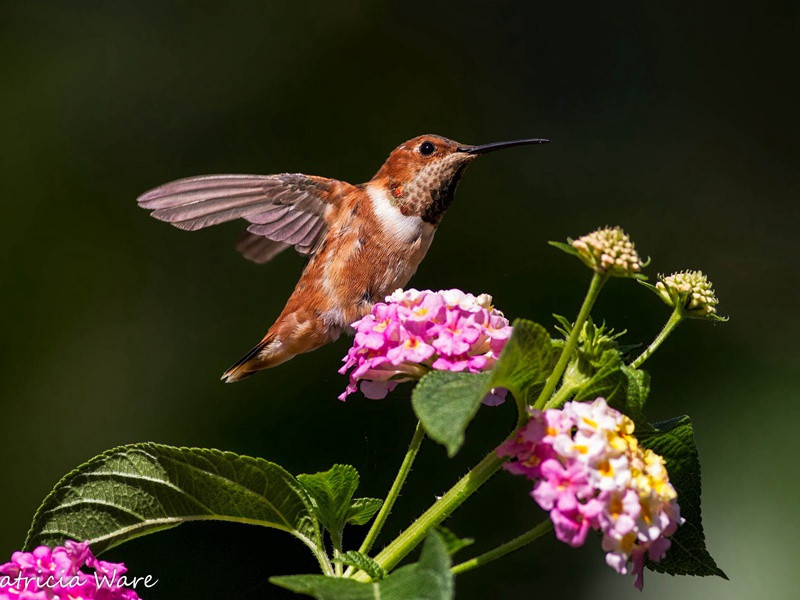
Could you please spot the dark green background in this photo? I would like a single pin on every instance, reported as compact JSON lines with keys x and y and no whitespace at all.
{"x":675,"y":121}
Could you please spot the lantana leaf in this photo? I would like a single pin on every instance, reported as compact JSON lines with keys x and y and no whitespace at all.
{"x":624,"y":388}
{"x":452,"y":541}
{"x":364,"y":563}
{"x":428,"y":579}
{"x":674,"y":441}
{"x":362,"y":510}
{"x":602,"y":378}
{"x":331,"y":494}
{"x":567,"y":248}
{"x":138,"y":489}
{"x":636,"y":390}
{"x":445,"y":402}
{"x":526,"y":361}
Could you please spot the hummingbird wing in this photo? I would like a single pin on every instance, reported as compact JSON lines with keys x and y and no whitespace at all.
{"x":283,"y":210}
{"x":259,"y":249}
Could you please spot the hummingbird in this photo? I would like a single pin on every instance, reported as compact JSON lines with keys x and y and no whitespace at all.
{"x":363,"y":241}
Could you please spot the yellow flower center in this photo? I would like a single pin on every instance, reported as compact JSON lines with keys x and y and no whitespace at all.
{"x":646,"y":516}
{"x":615,"y":507}
{"x":626,"y":543}
{"x":605,"y":468}
{"x":532,"y":461}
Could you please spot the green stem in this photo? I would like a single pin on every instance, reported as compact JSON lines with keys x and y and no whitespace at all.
{"x":438,"y":512}
{"x":672,"y":323}
{"x":323,"y":560}
{"x":560,"y":397}
{"x":394,"y":491}
{"x":337,"y":564}
{"x":515,"y":544}
{"x":598,"y":279}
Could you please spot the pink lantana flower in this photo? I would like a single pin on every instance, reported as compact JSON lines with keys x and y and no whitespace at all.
{"x":414,"y":332}
{"x":562,"y":487}
{"x":562,"y":490}
{"x":590,"y":473}
{"x":572,"y":526}
{"x":50,"y":574}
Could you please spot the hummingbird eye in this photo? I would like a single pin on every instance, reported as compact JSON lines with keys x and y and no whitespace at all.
{"x":426,"y":148}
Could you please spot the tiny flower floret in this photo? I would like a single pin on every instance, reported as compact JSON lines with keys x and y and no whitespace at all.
{"x":591,"y":474}
{"x":609,"y":250}
{"x":414,"y":332}
{"x":690,"y":291}
{"x":55,"y":573}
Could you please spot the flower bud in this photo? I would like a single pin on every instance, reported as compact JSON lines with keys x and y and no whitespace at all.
{"x":691,"y":291}
{"x":607,"y":251}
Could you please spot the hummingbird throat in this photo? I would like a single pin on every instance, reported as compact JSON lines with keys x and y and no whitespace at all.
{"x":429,"y":194}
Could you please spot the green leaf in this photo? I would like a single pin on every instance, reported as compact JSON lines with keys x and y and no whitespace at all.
{"x":445,"y":402}
{"x":624,"y":388}
{"x":568,"y":248}
{"x":600,"y":379}
{"x":428,"y":579}
{"x":526,"y":361}
{"x":331,"y":493}
{"x":637,"y":390}
{"x":564,"y":325}
{"x":452,"y":541}
{"x":135,"y":490}
{"x":674,"y":441}
{"x":362,"y":510}
{"x":364,"y":563}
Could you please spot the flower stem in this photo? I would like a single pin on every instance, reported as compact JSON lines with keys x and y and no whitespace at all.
{"x":560,"y":397}
{"x":515,"y":544}
{"x":598,"y":279}
{"x":438,"y":512}
{"x":672,"y":323}
{"x":394,"y":491}
{"x":337,"y":563}
{"x":323,"y":560}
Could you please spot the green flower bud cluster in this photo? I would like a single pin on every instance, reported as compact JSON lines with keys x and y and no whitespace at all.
{"x":689,"y":290}
{"x":609,"y":250}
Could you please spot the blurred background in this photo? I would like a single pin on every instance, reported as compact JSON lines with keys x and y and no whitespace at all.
{"x":677,"y":121}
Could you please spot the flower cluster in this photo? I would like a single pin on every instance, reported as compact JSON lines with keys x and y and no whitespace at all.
{"x":608,"y":250}
{"x":591,"y":473}
{"x":690,"y":290}
{"x":55,"y":573}
{"x":416,"y":331}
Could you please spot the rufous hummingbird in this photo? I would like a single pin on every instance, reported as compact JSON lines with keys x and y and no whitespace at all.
{"x":363,"y":241}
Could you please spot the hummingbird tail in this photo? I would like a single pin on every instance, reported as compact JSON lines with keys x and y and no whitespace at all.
{"x":268,"y":353}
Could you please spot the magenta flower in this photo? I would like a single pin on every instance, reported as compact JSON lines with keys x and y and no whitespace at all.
{"x":415,"y":332}
{"x":571,"y":526}
{"x":590,"y":473}
{"x":561,"y":488}
{"x":562,"y":491}
{"x":529,"y":454}
{"x":55,"y":574}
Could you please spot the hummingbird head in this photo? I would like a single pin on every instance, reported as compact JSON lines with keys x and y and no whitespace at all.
{"x":421,"y":174}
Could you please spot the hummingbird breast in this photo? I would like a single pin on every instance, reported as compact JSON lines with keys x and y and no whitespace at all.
{"x":371,"y":249}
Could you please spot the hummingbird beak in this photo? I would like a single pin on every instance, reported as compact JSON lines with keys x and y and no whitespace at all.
{"x":483,"y":149}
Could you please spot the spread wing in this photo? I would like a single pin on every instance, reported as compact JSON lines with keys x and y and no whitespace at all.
{"x":283,"y":210}
{"x":258,"y":248}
